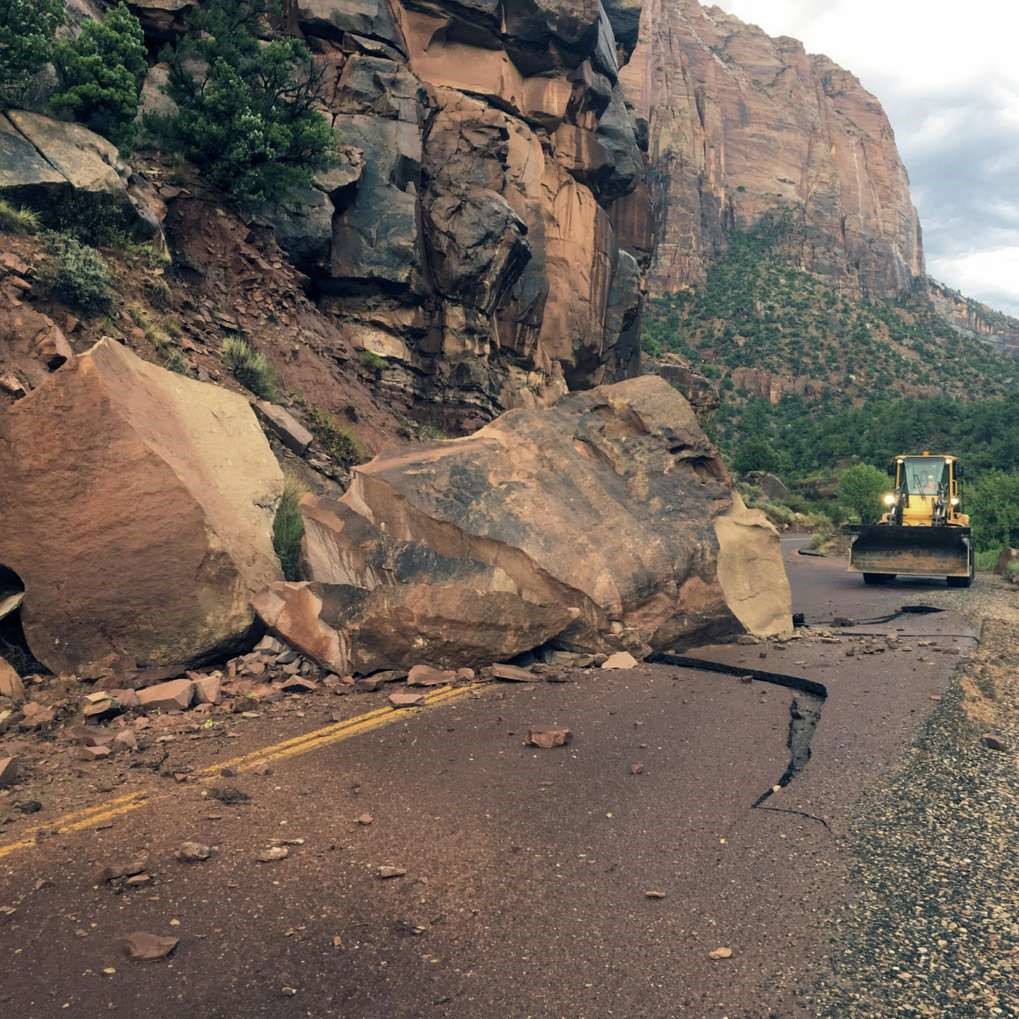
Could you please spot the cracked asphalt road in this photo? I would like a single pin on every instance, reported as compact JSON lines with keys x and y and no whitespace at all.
{"x":527,"y":871}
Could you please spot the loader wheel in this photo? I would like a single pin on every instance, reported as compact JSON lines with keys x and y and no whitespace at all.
{"x":959,"y":581}
{"x":878,"y":578}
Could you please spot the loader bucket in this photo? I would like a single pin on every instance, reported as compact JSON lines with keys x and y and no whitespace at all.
{"x":916,"y":551}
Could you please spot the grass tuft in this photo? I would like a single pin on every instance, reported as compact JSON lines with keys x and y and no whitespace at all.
{"x":288,"y":529}
{"x":250,"y":368}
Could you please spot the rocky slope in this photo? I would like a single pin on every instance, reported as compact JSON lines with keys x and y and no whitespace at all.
{"x":740,"y":123}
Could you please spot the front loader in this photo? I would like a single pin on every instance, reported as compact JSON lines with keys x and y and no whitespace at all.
{"x":924,"y":531}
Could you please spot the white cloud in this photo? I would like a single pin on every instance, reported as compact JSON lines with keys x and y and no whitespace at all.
{"x":949,"y":81}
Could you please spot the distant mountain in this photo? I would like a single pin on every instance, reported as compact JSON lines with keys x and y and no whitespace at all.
{"x":789,"y":257}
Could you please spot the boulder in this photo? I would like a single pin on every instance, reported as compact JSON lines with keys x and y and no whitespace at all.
{"x":605,"y":521}
{"x":137,"y":508}
{"x":43,"y":160}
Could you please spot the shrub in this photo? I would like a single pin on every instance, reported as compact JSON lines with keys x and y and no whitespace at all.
{"x":250,"y":368}
{"x":861,"y":488}
{"x":986,"y":559}
{"x":335,"y":440}
{"x":96,"y":219}
{"x":16,"y":220}
{"x":248,"y":118}
{"x":101,"y":73}
{"x":77,"y":274}
{"x":27,"y":28}
{"x":288,"y":529}
{"x":371,"y":360}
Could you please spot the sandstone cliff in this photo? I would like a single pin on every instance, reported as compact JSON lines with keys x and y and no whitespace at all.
{"x":740,"y":123}
{"x":473,"y":237}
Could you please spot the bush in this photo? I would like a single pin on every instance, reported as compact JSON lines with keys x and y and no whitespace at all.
{"x":101,"y":74}
{"x":372,"y":361}
{"x":335,"y":440}
{"x":96,"y":219}
{"x":250,"y":368}
{"x":27,"y":28}
{"x":16,"y":220}
{"x":77,"y":274}
{"x":861,"y":488}
{"x":288,"y":529}
{"x":986,"y":559}
{"x":248,"y":118}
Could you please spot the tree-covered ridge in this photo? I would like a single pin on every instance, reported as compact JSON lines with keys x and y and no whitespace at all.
{"x":759,"y":310}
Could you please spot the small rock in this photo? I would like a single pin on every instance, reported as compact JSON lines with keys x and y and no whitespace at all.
{"x":467,"y":675}
{"x":406,"y":700}
{"x":366,"y":819}
{"x":273,"y":853}
{"x":146,"y":947}
{"x":8,"y":772}
{"x":720,"y":953}
{"x":994,"y":742}
{"x":387,"y":872}
{"x":208,"y":689}
{"x":298,"y":684}
{"x":636,"y":769}
{"x":94,"y":753}
{"x":126,"y":740}
{"x":547,"y":738}
{"x":193,"y":852}
{"x":512,"y":674}
{"x":620,"y":660}
{"x":139,"y":880}
{"x":10,"y":682}
{"x":426,"y":675}
{"x":653,"y":893}
{"x":173,"y":696}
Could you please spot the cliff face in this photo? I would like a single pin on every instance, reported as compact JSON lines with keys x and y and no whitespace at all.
{"x":740,"y":123}
{"x":480,"y":234}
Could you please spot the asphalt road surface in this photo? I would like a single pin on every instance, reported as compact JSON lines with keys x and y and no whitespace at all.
{"x":527,"y":871}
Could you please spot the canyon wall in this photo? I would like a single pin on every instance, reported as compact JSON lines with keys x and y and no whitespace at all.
{"x":739,"y":123}
{"x":480,"y":235}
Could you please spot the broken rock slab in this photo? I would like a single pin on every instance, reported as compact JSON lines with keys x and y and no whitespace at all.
{"x":8,"y":772}
{"x":162,"y":490}
{"x":549,"y":737}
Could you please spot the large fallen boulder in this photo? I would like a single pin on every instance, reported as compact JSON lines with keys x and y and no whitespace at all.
{"x":137,"y":510}
{"x":604,"y":522}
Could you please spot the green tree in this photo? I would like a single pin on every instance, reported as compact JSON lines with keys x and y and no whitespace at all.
{"x":101,"y":73}
{"x":247,"y":110}
{"x":27,"y":28}
{"x":861,"y":488}
{"x":993,"y":505}
{"x":756,"y":454}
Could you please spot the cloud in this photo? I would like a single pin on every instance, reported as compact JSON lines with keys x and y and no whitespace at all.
{"x":950,"y":86}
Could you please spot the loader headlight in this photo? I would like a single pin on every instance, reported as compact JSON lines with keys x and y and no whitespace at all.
{"x":889,"y":500}
{"x":955,"y":500}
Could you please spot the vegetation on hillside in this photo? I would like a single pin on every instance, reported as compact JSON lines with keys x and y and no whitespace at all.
{"x":247,"y":110}
{"x":759,"y":310}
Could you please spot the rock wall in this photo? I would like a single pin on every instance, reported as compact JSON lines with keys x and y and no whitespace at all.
{"x":974,"y":319}
{"x":740,"y":123}
{"x":477,"y":235}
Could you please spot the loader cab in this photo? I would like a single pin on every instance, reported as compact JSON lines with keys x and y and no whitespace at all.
{"x":928,"y":490}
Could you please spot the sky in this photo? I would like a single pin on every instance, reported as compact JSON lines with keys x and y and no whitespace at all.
{"x":948,"y":77}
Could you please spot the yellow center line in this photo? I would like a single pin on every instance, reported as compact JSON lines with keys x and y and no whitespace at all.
{"x":89,"y":817}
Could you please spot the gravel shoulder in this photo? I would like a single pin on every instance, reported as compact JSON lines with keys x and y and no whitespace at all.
{"x":932,"y":930}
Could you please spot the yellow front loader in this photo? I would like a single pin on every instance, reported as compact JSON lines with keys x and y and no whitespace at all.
{"x":924,"y":531}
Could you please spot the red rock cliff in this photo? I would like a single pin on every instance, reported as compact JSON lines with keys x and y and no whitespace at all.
{"x":739,"y":123}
